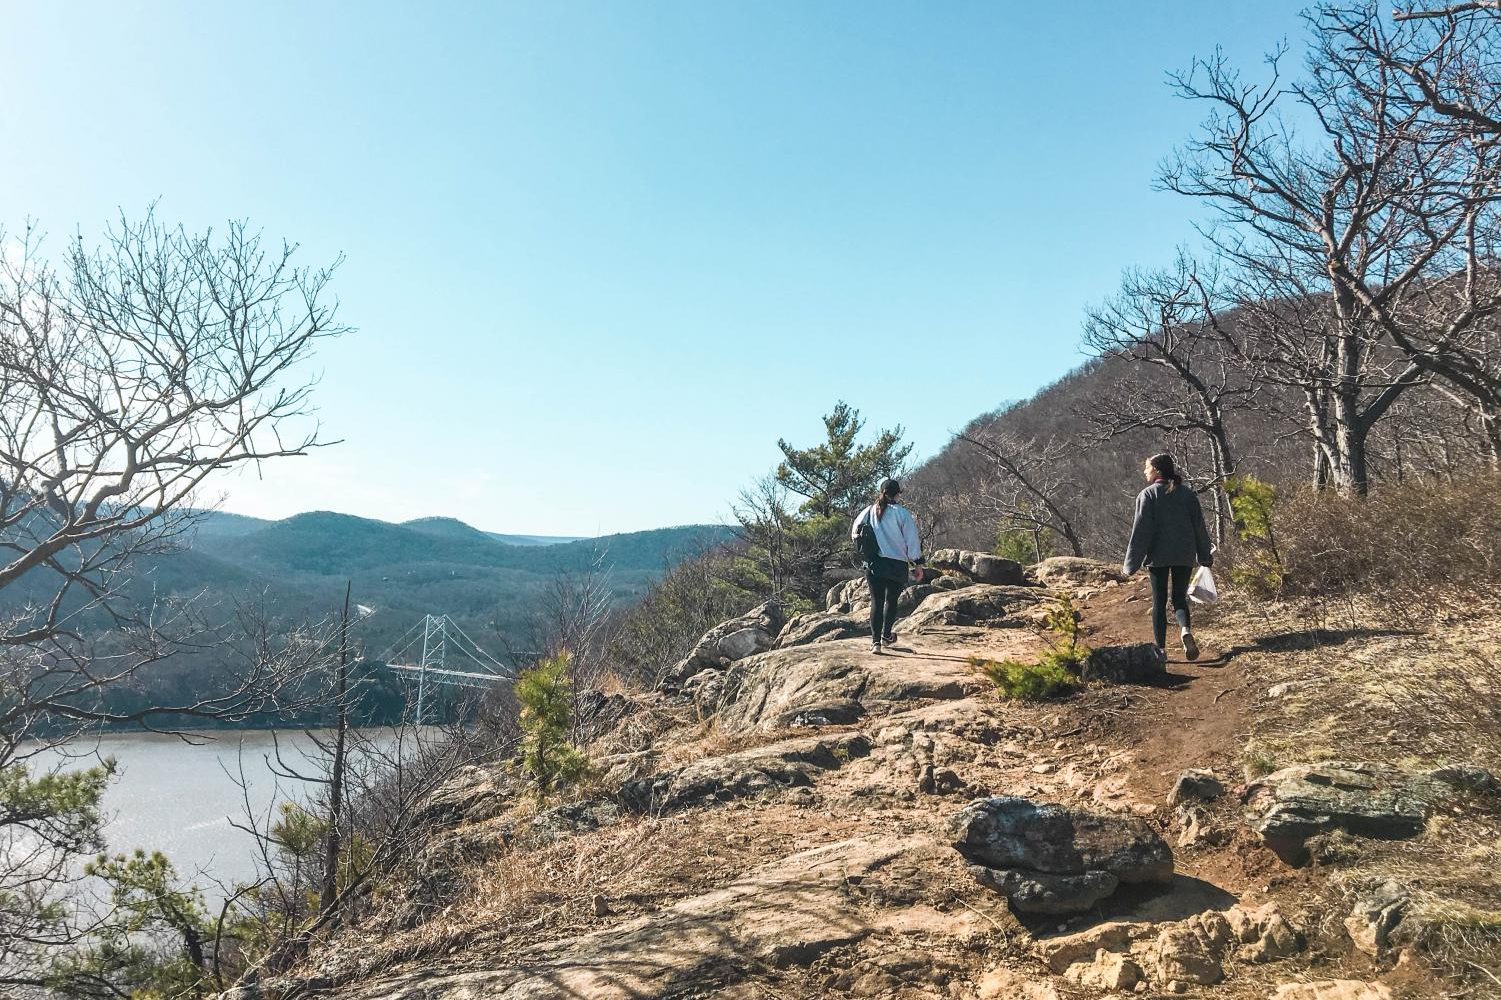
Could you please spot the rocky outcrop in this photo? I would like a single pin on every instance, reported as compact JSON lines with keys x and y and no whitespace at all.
{"x":1193,"y":951}
{"x":1047,"y":858}
{"x":823,"y":626}
{"x":982,"y":604}
{"x":1368,"y":800}
{"x":981,"y":567}
{"x":779,"y":766}
{"x":831,"y":683}
{"x":729,"y":642}
{"x":471,"y":795}
{"x":784,"y":913}
{"x":1073,"y":572}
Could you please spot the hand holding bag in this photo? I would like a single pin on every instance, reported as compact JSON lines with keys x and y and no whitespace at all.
{"x":1201,"y":590}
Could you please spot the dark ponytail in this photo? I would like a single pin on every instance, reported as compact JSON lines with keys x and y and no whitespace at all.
{"x":1162,"y":465}
{"x":890,"y":490}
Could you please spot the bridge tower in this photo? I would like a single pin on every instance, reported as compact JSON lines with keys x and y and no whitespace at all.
{"x":434,"y":651}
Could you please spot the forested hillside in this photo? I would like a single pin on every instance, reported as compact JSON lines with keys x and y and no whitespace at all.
{"x":400,"y":572}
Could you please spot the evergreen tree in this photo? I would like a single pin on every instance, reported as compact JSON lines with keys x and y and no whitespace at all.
{"x":547,"y":755}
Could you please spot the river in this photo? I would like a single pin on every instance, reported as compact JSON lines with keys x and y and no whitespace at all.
{"x":178,"y":796}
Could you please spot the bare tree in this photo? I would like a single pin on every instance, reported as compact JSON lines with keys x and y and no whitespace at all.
{"x":1336,"y":246}
{"x":1439,"y":66}
{"x":1169,"y":321}
{"x":1029,"y":482}
{"x":575,"y":618}
{"x":128,"y":377}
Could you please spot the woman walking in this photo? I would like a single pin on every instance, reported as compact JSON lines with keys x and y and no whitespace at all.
{"x":894,"y":533}
{"x":1168,"y":537}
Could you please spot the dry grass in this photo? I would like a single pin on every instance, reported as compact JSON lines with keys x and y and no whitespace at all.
{"x":1367,"y":688}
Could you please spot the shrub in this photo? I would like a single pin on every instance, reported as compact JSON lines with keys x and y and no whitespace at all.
{"x":1400,"y":542}
{"x":1038,"y":681}
{"x":1024,"y":545}
{"x":547,"y":756}
{"x":1258,"y":567}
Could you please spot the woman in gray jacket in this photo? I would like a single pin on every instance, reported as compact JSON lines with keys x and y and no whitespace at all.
{"x":1168,"y":537}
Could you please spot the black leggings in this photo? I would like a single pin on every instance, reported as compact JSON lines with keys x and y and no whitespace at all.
{"x":883,"y":595}
{"x":1180,"y":575}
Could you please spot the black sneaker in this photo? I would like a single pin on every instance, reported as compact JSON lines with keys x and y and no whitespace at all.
{"x":889,"y":639}
{"x":1190,"y":646}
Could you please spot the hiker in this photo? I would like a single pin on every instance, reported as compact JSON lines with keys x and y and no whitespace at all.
{"x":894,"y":533}
{"x":1168,"y":537}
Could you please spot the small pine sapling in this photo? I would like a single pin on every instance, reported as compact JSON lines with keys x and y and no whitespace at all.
{"x":547,"y":755}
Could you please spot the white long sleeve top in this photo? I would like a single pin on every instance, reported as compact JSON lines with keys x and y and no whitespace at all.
{"x":896,"y":532}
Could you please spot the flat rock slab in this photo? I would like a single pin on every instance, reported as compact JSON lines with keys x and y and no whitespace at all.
{"x":782,"y":914}
{"x":800,"y":685}
{"x":788,"y":764}
{"x":1368,"y":800}
{"x":1333,"y":989}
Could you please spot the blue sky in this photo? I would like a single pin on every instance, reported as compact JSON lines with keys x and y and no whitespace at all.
{"x":602,"y":255}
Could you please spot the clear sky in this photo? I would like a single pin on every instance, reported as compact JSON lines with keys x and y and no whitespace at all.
{"x":602,"y":255}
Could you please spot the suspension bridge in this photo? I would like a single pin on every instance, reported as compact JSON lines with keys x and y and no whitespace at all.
{"x":439,"y":637}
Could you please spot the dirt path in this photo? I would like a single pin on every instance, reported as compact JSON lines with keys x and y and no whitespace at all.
{"x":1196,"y":718}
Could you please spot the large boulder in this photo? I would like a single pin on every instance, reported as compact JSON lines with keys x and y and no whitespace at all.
{"x":832,"y":683}
{"x":981,"y":604}
{"x":1048,"y":858}
{"x":823,"y":626}
{"x":1368,"y":800}
{"x":980,"y":567}
{"x":729,"y":642}
{"x":1072,"y":571}
{"x":1138,"y":663}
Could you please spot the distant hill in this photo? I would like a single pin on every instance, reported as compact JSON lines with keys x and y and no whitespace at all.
{"x":491,"y":584}
{"x":452,"y":527}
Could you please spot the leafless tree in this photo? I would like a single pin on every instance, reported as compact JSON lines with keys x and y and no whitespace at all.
{"x":1169,"y":321}
{"x":1028,"y":483}
{"x":575,"y":617}
{"x":1336,"y":246}
{"x":129,"y":376}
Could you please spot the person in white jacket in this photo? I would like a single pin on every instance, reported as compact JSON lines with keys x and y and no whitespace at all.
{"x":887,"y":574}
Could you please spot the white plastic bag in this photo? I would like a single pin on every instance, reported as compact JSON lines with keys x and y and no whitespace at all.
{"x":1201,"y":589}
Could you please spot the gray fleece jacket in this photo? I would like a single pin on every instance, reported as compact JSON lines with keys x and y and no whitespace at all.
{"x":1169,"y":530}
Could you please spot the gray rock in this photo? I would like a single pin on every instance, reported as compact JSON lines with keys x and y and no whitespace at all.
{"x":1072,"y":571}
{"x":1052,"y":859}
{"x":1375,"y":916}
{"x":980,"y":604}
{"x":1040,"y":892}
{"x":1368,"y":800}
{"x":1195,"y":785}
{"x":1137,"y":664}
{"x":803,"y":682}
{"x":472,"y":794}
{"x":822,"y":626}
{"x":785,"y":765}
{"x":729,"y":642}
{"x":980,"y":567}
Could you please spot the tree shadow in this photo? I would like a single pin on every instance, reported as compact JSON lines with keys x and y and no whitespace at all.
{"x":1303,"y":640}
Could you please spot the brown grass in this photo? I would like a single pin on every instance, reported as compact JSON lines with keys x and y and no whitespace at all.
{"x":1369,"y":688}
